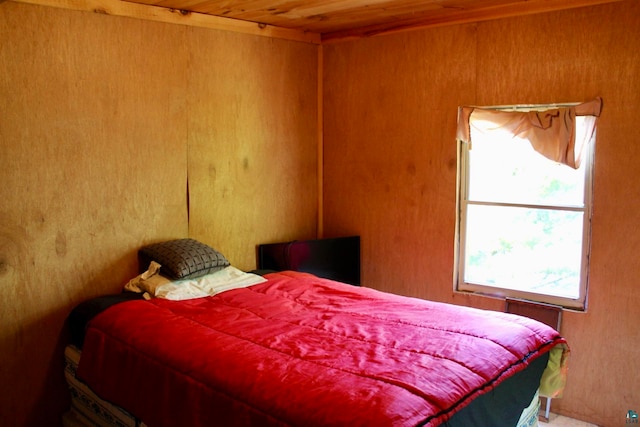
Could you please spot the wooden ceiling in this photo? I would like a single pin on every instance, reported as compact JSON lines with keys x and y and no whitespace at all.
{"x":317,"y":21}
{"x":339,"y":19}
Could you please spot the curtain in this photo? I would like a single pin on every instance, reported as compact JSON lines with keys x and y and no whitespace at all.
{"x":551,"y":131}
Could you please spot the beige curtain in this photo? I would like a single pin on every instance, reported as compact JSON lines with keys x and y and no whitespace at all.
{"x":552,"y":131}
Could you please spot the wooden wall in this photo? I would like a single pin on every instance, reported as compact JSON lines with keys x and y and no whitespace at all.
{"x":104,"y":124}
{"x":390,"y":166}
{"x":115,"y":132}
{"x":252,"y":142}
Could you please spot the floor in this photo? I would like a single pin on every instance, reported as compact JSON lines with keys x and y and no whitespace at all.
{"x":560,"y":421}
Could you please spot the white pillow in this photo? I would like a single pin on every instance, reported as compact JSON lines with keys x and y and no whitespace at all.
{"x":153,"y":284}
{"x":226,"y":279}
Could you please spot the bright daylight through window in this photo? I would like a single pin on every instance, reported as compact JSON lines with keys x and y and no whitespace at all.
{"x":523,"y":219}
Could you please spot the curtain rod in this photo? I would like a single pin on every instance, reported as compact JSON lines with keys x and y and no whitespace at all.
{"x":517,"y":107}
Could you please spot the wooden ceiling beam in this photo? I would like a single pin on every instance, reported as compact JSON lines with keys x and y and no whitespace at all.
{"x":174,"y":16}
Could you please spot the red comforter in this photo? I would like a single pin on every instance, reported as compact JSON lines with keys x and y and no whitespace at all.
{"x":298,"y":350}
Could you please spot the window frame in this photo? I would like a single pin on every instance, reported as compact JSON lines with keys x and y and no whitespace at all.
{"x":462,"y":188}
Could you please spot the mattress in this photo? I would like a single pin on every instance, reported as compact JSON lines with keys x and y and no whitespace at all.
{"x":300,"y":350}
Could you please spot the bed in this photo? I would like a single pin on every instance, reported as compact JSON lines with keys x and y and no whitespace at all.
{"x":293,"y":349}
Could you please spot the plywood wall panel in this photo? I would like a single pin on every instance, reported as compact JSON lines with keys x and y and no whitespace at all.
{"x":593,"y":55}
{"x":550,"y":58}
{"x":390,"y":163}
{"x":384,"y":93}
{"x":105,"y":124}
{"x":81,"y":132}
{"x":252,"y":142}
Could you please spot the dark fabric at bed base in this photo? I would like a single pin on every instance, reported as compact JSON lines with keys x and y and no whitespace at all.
{"x":502,"y":406}
{"x":87,"y":310}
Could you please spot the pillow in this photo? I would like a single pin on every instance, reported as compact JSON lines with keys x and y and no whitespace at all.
{"x":147,"y":282}
{"x":182,"y":258}
{"x":212,"y":284}
{"x":227,"y":279}
{"x":153,"y":285}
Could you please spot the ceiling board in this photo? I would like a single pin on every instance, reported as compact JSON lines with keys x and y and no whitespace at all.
{"x":317,"y":21}
{"x":355,"y":18}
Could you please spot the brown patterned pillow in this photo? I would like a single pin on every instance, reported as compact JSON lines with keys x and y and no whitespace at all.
{"x":182,"y":258}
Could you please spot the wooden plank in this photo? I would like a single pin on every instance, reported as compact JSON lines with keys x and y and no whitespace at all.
{"x":175,"y":16}
{"x":462,"y":16}
{"x":370,"y":15}
{"x":313,"y":16}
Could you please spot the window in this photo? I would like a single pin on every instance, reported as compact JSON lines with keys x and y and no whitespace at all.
{"x":524,"y":220}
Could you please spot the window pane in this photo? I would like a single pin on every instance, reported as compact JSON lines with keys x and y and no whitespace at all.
{"x":508,"y":170}
{"x":534,"y":250}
